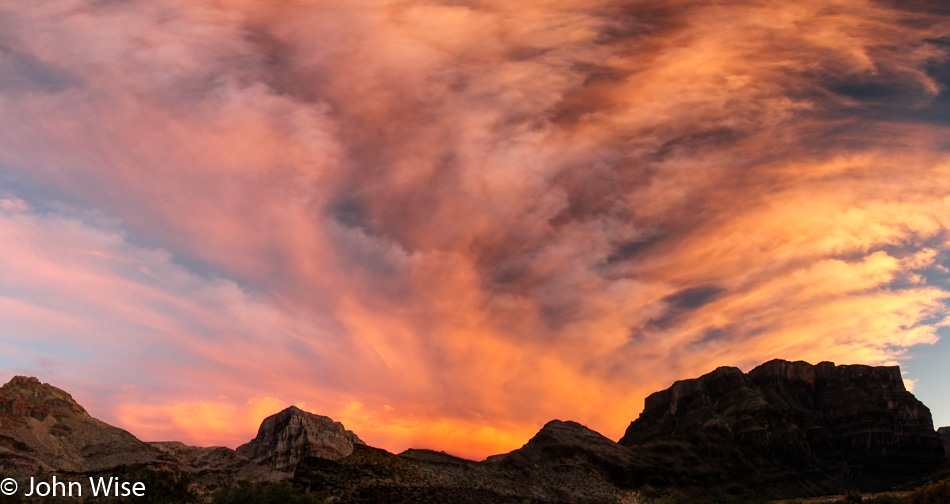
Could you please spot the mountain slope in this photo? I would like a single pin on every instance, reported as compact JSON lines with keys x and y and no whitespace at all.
{"x":564,"y":441}
{"x":213,"y":466}
{"x":42,"y":427}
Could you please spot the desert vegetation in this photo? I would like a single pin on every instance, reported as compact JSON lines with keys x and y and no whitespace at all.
{"x":937,"y":492}
{"x":247,"y":492}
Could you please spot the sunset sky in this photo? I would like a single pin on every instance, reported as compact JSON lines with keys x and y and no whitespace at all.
{"x":446,"y":222}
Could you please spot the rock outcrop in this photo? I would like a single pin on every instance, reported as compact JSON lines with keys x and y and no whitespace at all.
{"x":42,"y":427}
{"x":293,"y":434}
{"x":789,"y":426}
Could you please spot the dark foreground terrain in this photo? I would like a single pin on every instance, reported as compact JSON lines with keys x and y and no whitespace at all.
{"x":785,"y":430}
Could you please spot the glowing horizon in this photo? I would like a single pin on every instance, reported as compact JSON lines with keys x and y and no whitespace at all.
{"x":444,"y":224}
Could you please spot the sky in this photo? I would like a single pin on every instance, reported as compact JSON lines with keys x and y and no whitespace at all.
{"x":445,"y":223}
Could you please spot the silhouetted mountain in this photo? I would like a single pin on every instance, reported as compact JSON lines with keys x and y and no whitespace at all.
{"x":784,"y":429}
{"x":559,"y":440}
{"x":581,"y":463}
{"x":787,"y":427}
{"x":293,"y":434}
{"x":434,"y":456}
{"x":370,"y":476}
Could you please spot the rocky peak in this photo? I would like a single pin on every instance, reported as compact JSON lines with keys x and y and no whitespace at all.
{"x":567,"y":432}
{"x":27,"y":396}
{"x":567,"y":459}
{"x":560,"y":440}
{"x":293,"y":434}
{"x":42,"y":427}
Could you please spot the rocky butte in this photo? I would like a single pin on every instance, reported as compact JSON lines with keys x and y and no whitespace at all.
{"x":784,"y":429}
{"x":293,"y":434}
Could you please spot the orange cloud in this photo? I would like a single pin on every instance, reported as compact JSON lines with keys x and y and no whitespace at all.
{"x":214,"y":423}
{"x":447,"y":224}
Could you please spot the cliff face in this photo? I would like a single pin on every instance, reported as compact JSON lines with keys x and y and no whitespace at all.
{"x":289,"y":436}
{"x":793,"y":423}
{"x":944,"y":433}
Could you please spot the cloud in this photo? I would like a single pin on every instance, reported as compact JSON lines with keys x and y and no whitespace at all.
{"x":204,"y":423}
{"x":482,"y":215}
{"x":14,"y":205}
{"x":83,"y":305}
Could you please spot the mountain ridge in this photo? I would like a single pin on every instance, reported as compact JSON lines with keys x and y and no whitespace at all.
{"x":728,"y":433}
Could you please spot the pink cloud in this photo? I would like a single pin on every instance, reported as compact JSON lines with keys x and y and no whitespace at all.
{"x":482,"y":215}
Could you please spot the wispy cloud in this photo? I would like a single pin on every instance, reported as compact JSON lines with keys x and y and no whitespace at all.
{"x":428,"y":219}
